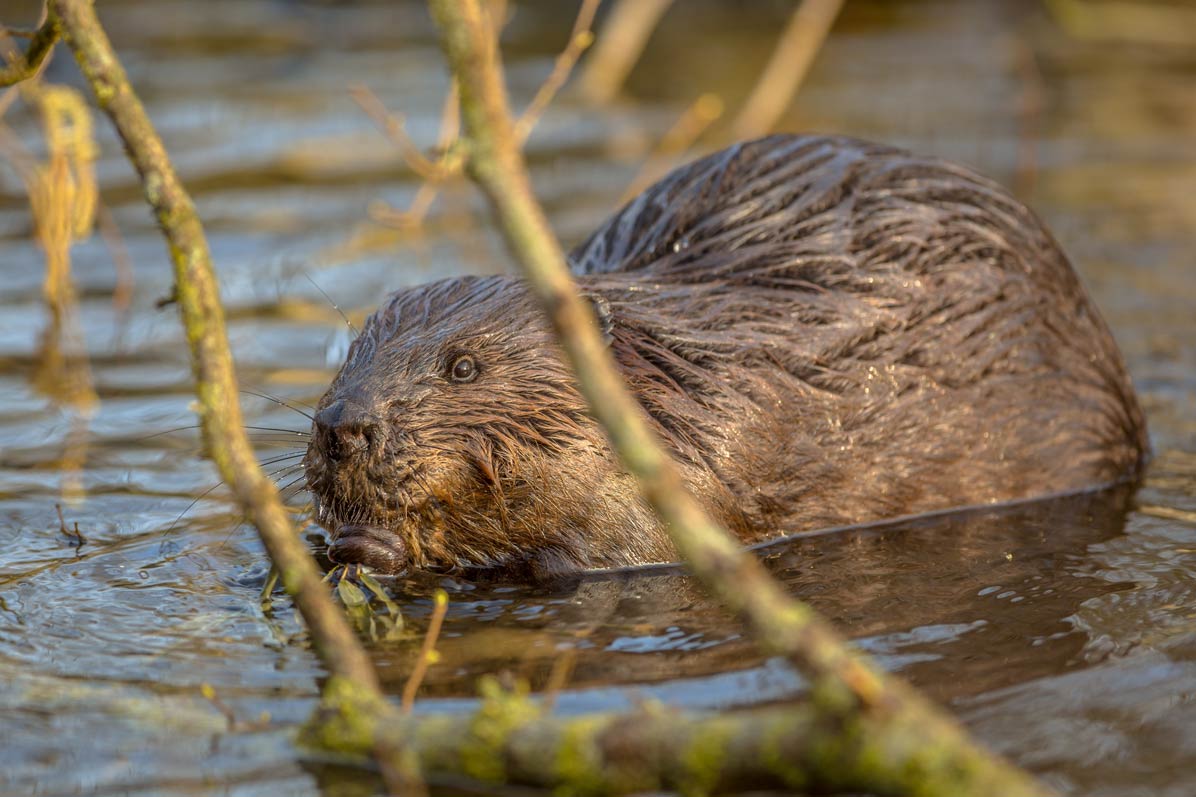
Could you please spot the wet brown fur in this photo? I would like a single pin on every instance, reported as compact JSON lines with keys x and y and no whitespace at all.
{"x":824,"y":331}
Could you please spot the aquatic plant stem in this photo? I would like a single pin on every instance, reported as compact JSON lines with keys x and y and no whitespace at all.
{"x":873,"y":712}
{"x":427,"y":652}
{"x":203,"y":318}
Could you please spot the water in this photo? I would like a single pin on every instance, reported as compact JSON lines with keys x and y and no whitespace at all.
{"x":1062,"y":633}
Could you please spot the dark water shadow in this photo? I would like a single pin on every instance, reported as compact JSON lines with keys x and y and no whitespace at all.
{"x":959,"y":603}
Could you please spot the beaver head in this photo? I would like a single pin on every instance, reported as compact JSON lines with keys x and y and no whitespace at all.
{"x":454,"y":436}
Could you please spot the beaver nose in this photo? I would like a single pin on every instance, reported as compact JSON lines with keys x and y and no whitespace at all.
{"x":346,"y":428}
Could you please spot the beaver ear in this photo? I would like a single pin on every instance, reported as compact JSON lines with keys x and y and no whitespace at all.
{"x":602,"y":313}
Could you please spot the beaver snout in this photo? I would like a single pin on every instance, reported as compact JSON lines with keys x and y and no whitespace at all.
{"x":345,"y":429}
{"x":377,"y":549}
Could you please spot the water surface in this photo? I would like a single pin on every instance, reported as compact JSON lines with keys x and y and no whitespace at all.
{"x":1061,"y":632}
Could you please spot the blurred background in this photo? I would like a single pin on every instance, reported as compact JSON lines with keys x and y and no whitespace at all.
{"x":1061,"y":632}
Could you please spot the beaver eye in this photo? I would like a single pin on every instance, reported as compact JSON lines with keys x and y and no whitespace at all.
{"x":463,"y":369}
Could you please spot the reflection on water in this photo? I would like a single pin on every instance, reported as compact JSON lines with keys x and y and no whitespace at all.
{"x":993,"y":613}
{"x":1061,"y":631}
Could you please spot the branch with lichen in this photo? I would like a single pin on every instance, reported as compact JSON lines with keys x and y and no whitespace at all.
{"x":511,"y":739}
{"x":203,"y":319}
{"x":873,"y":712}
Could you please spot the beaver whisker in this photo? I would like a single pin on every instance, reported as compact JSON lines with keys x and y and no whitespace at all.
{"x":277,"y":475}
{"x":257,"y":439}
{"x":281,"y":403}
{"x":265,"y":463}
{"x":335,"y":306}
{"x":302,"y":433}
{"x":296,"y":482}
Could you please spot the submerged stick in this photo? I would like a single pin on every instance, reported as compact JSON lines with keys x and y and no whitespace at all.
{"x":873,"y":713}
{"x":211,"y":361}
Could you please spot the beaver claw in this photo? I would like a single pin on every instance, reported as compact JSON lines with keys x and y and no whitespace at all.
{"x":377,"y":549}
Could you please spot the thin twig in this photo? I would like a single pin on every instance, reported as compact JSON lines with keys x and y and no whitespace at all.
{"x":580,"y":38}
{"x":427,"y":651}
{"x":230,"y":716}
{"x":209,"y":693}
{"x":19,"y":33}
{"x":74,"y":533}
{"x":1167,"y":512}
{"x":561,"y":671}
{"x":22,"y":66}
{"x":694,"y":121}
{"x":417,"y":211}
{"x":395,"y":128}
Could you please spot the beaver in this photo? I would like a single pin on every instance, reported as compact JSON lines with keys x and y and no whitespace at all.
{"x":822,"y":331}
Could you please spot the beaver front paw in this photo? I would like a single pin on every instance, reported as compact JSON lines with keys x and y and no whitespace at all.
{"x":378,"y":549}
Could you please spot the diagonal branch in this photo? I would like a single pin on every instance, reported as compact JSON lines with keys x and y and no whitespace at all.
{"x":211,"y":361}
{"x":845,"y":687}
{"x":395,"y":128}
{"x":788,"y":66}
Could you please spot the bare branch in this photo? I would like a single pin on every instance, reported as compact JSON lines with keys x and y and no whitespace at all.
{"x":394,"y":126}
{"x":427,"y":652}
{"x":450,"y":128}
